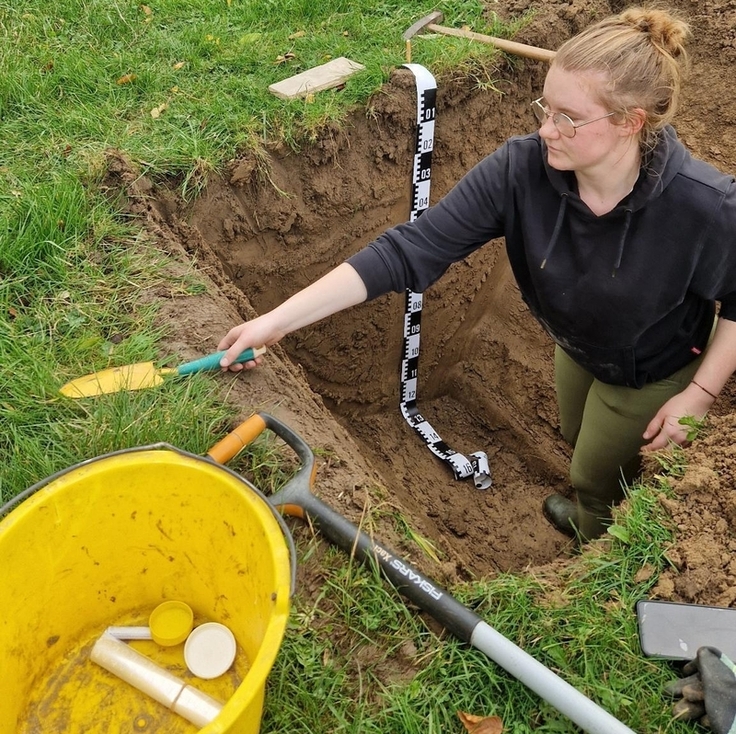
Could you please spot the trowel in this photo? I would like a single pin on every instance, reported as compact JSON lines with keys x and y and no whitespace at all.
{"x":144,"y":374}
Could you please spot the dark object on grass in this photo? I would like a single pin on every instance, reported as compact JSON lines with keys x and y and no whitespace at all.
{"x":707,"y":692}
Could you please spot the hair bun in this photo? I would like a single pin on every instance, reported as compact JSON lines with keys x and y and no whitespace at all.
{"x":666,"y":30}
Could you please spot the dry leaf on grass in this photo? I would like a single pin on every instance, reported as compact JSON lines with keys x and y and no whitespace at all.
{"x":481,"y":724}
{"x":289,"y":56}
{"x":156,"y":111}
{"x":127,"y":79}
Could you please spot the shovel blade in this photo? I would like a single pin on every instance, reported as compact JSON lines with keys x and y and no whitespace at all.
{"x":115,"y":379}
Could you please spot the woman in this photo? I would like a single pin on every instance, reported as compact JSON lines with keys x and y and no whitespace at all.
{"x":621,"y":245}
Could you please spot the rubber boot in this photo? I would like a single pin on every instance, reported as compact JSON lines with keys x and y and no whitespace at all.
{"x":574,"y":520}
{"x":562,"y":513}
{"x":591,"y":525}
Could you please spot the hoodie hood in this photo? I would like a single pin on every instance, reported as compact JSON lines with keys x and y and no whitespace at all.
{"x":660,"y":167}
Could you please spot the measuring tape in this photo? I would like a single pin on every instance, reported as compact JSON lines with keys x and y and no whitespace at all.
{"x":463,"y":467}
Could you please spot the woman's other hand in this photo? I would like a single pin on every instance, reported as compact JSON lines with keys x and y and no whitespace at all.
{"x":666,"y":427}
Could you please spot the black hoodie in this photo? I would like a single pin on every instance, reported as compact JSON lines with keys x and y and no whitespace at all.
{"x":629,"y":295}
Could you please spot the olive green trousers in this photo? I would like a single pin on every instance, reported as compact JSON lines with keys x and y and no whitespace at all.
{"x":604,"y":423}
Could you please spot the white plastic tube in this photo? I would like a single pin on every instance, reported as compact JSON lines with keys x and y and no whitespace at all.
{"x":566,"y":699}
{"x":142,"y":673}
{"x":130,"y":633}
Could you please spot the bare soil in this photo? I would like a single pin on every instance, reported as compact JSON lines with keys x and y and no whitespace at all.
{"x":267,"y":228}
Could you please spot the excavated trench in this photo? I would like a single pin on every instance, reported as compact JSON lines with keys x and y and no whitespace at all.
{"x":485,"y":373}
{"x":270,"y":227}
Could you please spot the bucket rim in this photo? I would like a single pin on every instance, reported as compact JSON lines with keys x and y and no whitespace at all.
{"x":18,"y":500}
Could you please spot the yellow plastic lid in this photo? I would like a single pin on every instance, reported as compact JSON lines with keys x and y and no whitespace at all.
{"x":171,"y":622}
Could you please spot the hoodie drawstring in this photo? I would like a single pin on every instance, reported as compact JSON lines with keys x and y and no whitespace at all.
{"x":622,"y":242}
{"x":558,"y":228}
{"x":555,"y":231}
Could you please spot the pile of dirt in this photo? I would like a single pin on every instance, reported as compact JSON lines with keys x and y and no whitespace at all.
{"x":266,"y":229}
{"x":704,"y":514}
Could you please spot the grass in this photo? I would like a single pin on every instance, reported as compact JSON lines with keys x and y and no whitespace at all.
{"x":89,"y":74}
{"x":78,"y":77}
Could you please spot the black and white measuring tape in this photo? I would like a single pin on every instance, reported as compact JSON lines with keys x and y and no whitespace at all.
{"x":463,"y":467}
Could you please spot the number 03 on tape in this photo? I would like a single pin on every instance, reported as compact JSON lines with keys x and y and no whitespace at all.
{"x":463,"y":467}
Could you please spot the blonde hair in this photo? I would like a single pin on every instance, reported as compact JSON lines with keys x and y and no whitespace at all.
{"x":642,"y":53}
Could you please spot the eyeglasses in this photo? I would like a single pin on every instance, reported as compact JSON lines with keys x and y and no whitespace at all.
{"x":562,"y":122}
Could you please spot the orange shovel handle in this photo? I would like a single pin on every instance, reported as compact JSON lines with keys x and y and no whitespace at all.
{"x":238,"y":439}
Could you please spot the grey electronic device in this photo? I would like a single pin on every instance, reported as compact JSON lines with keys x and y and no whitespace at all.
{"x":675,"y":631}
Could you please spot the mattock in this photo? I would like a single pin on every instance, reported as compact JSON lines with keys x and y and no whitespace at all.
{"x":430,"y":23}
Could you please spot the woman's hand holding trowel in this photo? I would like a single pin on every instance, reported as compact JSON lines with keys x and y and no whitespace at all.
{"x":261,"y":330}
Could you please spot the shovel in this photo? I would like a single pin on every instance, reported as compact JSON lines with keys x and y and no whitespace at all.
{"x":296,"y":499}
{"x":144,"y":374}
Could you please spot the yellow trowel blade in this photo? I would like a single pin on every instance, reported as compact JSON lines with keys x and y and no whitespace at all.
{"x":130,"y":377}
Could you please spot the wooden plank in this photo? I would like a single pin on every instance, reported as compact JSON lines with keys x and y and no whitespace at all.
{"x":326,"y":76}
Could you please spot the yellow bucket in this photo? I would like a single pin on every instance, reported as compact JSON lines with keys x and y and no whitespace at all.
{"x":102,"y":544}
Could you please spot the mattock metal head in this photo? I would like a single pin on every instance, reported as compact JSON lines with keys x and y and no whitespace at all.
{"x":419,"y":27}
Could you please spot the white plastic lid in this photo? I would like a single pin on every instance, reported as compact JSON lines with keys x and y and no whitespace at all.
{"x":209,"y":650}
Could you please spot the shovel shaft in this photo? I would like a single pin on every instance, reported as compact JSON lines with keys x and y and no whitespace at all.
{"x":297,"y":499}
{"x":451,"y":614}
{"x":459,"y":620}
{"x":407,"y":580}
{"x":567,"y":699}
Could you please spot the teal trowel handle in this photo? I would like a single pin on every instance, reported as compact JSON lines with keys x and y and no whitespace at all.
{"x":212,"y":361}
